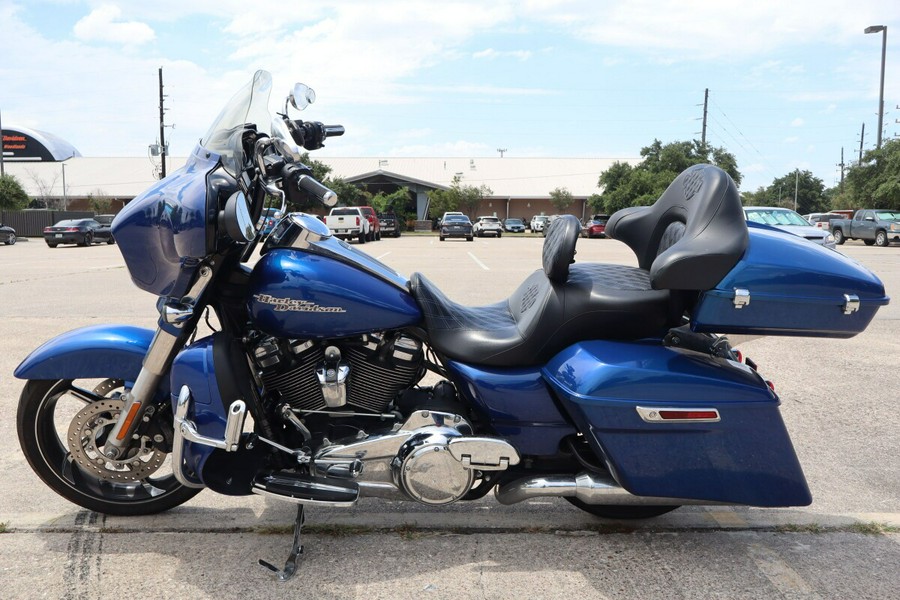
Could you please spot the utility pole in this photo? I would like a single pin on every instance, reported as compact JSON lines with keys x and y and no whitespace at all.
{"x":796,"y":187}
{"x":842,"y":165}
{"x":862,"y":135}
{"x":162,"y":126}
{"x":705,"y":105}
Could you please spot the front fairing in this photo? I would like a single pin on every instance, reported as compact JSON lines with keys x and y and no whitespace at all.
{"x":164,"y":233}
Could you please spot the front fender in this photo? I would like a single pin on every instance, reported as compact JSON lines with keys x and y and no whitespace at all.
{"x":107,"y":351}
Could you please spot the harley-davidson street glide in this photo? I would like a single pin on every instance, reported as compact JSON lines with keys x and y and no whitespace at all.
{"x":610,"y":386}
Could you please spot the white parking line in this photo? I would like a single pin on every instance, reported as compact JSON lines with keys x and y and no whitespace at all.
{"x":383,"y":255}
{"x":480,"y":264}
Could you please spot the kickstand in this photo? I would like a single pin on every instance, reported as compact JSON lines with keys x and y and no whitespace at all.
{"x":290,"y":565}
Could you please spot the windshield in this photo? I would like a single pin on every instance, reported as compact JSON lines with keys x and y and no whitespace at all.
{"x":884,"y":215}
{"x":775,"y":216}
{"x":249,"y":105}
{"x":456,"y":219}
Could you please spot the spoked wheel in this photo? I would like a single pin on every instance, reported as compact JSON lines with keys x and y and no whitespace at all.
{"x":63,"y":426}
{"x":620,"y":511}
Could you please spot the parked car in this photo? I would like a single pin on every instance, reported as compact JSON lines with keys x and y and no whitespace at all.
{"x":271,"y":216}
{"x":538,"y":222}
{"x":349,"y":222}
{"x":547,"y":223}
{"x":877,"y":227}
{"x":449,"y":213}
{"x":83,"y":232}
{"x":7,"y":234}
{"x":487,"y":226}
{"x":456,"y":226}
{"x":787,"y":220}
{"x":390,"y":224}
{"x":514,"y":225}
{"x":822,"y":220}
{"x":374,"y":224}
{"x":595,"y":227}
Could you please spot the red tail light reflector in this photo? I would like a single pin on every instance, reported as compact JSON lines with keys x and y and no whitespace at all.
{"x":678,"y":415}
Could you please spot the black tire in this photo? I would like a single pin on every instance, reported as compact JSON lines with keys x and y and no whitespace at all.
{"x":88,"y":240}
{"x":52,"y":245}
{"x":838,"y":236}
{"x":470,"y":239}
{"x":499,"y":235}
{"x":378,"y":236}
{"x":441,"y":238}
{"x":43,"y":434}
{"x":869,"y":242}
{"x":619,"y":511}
{"x":362,"y":237}
{"x":110,"y":241}
{"x":11,"y":241}
{"x":397,"y":233}
{"x":882,"y":239}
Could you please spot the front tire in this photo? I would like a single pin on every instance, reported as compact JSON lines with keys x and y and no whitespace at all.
{"x":62,"y":425}
{"x":620,"y":511}
{"x":881,"y":239}
{"x":11,"y":240}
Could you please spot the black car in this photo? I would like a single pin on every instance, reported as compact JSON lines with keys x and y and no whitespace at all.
{"x":456,"y":226}
{"x":83,"y":232}
{"x":390,"y":225}
{"x":7,"y":234}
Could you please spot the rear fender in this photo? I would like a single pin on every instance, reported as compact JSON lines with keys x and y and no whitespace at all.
{"x":98,"y":351}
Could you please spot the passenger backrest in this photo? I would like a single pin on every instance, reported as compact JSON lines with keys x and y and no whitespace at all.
{"x":559,"y":247}
{"x":692,"y":236}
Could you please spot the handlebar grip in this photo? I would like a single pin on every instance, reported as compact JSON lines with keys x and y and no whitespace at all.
{"x":311,"y":186}
{"x":333,"y":130}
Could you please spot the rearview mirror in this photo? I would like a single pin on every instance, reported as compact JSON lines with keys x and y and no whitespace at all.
{"x":301,"y":96}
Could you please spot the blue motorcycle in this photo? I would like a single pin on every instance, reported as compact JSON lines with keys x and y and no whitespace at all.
{"x":607,"y":385}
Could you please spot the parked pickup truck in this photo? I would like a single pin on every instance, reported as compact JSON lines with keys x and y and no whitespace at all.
{"x":346,"y":222}
{"x":876,"y":226}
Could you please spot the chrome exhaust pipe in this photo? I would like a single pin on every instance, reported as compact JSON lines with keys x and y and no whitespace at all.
{"x":587,"y":487}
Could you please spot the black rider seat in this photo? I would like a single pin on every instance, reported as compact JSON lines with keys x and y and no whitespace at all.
{"x":693,"y":235}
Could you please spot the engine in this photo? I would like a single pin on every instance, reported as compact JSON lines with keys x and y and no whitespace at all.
{"x":365,"y":373}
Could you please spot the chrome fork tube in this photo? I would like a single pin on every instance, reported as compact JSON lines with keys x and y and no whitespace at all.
{"x":156,"y":364}
{"x":177,"y":321}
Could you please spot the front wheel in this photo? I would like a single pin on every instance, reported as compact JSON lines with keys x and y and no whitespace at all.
{"x":63,"y":426}
{"x":881,"y":239}
{"x":11,"y":240}
{"x":838,"y":236}
{"x":622,"y":511}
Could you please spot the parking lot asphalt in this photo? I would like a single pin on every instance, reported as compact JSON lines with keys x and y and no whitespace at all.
{"x":838,"y":401}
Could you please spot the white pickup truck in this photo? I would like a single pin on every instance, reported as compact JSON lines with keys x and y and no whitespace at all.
{"x":346,"y":222}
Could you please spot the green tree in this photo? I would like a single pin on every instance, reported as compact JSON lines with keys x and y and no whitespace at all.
{"x":810,"y":192}
{"x":624,"y":185}
{"x":465,"y":198}
{"x":12,"y":194}
{"x":561,"y":198}
{"x":875,"y":182}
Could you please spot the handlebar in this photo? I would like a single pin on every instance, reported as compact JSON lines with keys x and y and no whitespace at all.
{"x":312,"y":134}
{"x":316,"y":189}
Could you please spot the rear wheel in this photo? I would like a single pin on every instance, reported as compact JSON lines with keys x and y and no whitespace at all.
{"x":869,"y":242}
{"x":362,"y":237}
{"x":618,"y":511}
{"x":51,"y":245}
{"x":881,"y":239}
{"x":63,"y":426}
{"x":838,"y":236}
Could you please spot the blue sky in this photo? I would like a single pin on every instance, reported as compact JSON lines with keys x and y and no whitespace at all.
{"x":790,"y":83}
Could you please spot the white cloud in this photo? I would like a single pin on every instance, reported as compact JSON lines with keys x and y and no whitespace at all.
{"x":491,"y":54}
{"x":103,"y":24}
{"x":797,"y":122}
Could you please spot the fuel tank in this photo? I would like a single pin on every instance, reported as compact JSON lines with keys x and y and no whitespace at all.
{"x":310,"y":285}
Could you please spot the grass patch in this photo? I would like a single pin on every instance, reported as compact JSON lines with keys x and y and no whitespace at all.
{"x":4,"y":527}
{"x":801,"y":528}
{"x":873,"y":528}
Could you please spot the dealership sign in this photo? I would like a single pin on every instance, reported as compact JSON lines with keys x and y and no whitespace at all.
{"x":34,"y":146}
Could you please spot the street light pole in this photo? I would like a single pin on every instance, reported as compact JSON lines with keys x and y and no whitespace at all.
{"x":65,"y":196}
{"x":883,"y":30}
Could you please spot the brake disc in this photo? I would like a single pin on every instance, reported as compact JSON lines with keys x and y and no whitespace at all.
{"x":87,"y":434}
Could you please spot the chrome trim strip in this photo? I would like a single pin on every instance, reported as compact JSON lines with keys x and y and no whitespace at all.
{"x":651,"y":415}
